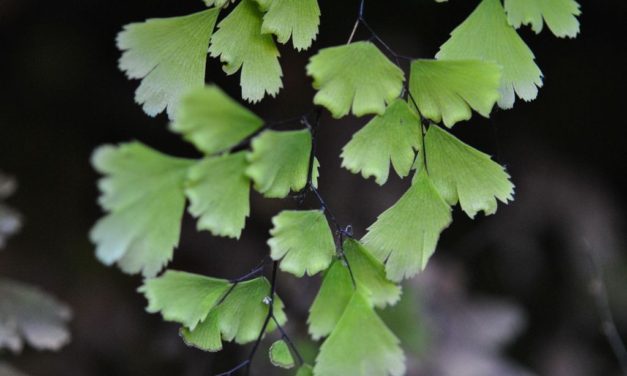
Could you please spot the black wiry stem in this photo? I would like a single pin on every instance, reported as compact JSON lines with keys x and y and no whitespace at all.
{"x":288,"y":340}
{"x":340,"y":232}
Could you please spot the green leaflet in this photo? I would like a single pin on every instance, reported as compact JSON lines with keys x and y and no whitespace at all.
{"x":298,"y":19}
{"x":240,"y":44}
{"x":206,"y":336}
{"x":212,"y":121}
{"x":219,"y":191}
{"x":207,"y":313}
{"x":335,"y":292}
{"x":405,"y":235}
{"x":560,"y":15}
{"x":217,"y":3}
{"x":305,"y":370}
{"x":280,"y":355}
{"x":143,"y":193}
{"x":169,"y":55}
{"x":446,"y":90}
{"x":302,"y":240}
{"x":238,"y":318}
{"x":370,"y":275}
{"x":393,"y":136}
{"x":356,"y":75}
{"x":279,"y":162}
{"x":462,"y":173}
{"x":337,"y":288}
{"x":183,"y":297}
{"x":486,"y":35}
{"x":360,"y":345}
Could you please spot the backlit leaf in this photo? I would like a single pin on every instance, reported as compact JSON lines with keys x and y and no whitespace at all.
{"x":240,"y":45}
{"x":305,"y":370}
{"x":334,"y":294}
{"x":463,"y":173}
{"x":210,"y":309}
{"x":560,"y":15}
{"x":243,"y":312}
{"x":280,"y":355}
{"x":337,"y":288}
{"x":212,"y":121}
{"x":392,"y":137}
{"x":487,"y":35}
{"x":169,"y":55}
{"x":279,"y":162}
{"x":302,"y":240}
{"x":217,"y":3}
{"x":296,"y":19}
{"x":360,"y":345}
{"x":357,"y":76}
{"x":370,"y":275}
{"x":219,"y":194}
{"x":183,"y":297}
{"x":405,"y":235}
{"x":206,"y":336}
{"x":446,"y":90}
{"x":142,"y":191}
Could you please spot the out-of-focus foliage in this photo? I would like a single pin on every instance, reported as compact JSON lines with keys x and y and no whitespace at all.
{"x":10,"y":221}
{"x":31,"y":316}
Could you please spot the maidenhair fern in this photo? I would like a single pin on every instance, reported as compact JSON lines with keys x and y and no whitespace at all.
{"x":411,"y":102}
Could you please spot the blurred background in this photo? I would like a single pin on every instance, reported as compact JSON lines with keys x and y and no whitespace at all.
{"x":511,"y":294}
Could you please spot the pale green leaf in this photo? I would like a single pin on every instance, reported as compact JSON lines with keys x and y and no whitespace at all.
{"x":264,"y":4}
{"x":462,"y":173}
{"x":302,"y":240}
{"x":212,"y":121}
{"x":183,"y":297}
{"x":143,"y":192}
{"x":393,"y":136}
{"x":356,"y":75}
{"x":242,"y":313}
{"x":219,"y":194}
{"x":212,"y":310}
{"x":169,"y":54}
{"x":360,"y":345}
{"x":446,"y":90}
{"x":240,"y":44}
{"x":280,"y":355}
{"x":279,"y":162}
{"x":335,"y":293}
{"x":560,"y":15}
{"x":305,"y":370}
{"x":296,"y":19}
{"x":206,"y":336}
{"x":487,"y":35}
{"x":369,"y":274}
{"x":405,"y":235}
{"x":217,"y":3}
{"x":337,"y":288}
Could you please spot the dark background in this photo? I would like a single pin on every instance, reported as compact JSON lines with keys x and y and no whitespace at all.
{"x":61,"y":95}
